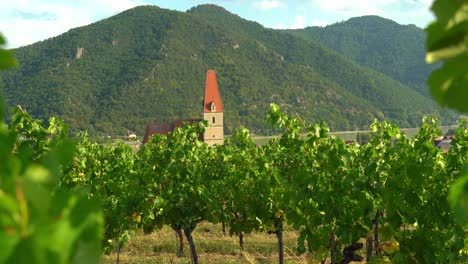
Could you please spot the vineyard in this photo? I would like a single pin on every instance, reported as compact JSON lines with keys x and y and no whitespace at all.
{"x":397,"y":199}
{"x":64,"y":197}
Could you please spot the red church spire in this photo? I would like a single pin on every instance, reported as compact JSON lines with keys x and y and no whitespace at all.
{"x":212,"y":101}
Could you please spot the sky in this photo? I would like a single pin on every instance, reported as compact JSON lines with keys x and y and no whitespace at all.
{"x":24,"y":22}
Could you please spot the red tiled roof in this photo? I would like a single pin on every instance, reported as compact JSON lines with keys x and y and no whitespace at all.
{"x":157,"y":128}
{"x":212,"y":93}
{"x":165,"y":128}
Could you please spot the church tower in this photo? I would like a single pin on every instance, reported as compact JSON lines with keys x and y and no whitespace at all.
{"x":213,"y":111}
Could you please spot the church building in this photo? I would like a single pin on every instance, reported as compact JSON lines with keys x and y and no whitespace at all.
{"x":212,"y":112}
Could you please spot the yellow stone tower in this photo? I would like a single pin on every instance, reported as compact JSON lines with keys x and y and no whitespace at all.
{"x":213,"y":111}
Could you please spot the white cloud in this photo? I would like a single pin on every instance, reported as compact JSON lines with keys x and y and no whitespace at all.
{"x":24,"y":22}
{"x":299,"y":22}
{"x":372,"y":7}
{"x":351,"y":7}
{"x":268,"y":4}
{"x":403,"y":11}
{"x":426,"y":2}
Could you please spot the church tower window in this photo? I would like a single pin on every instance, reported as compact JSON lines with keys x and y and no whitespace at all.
{"x":213,"y":107}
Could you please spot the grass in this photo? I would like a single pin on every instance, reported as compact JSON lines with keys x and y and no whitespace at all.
{"x":211,"y":245}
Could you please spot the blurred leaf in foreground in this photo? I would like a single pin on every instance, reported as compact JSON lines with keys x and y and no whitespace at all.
{"x":447,"y":42}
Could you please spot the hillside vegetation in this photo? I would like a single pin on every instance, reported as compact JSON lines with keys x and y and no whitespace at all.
{"x":378,"y":43}
{"x":148,"y":64}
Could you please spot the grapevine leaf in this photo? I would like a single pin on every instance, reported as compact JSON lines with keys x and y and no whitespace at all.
{"x":300,"y":242}
{"x":7,"y":203}
{"x":458,"y":198}
{"x":7,"y":59}
{"x":449,"y":84}
{"x":447,"y":41}
{"x":8,"y":241}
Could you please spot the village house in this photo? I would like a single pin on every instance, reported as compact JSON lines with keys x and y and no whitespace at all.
{"x":130,"y":136}
{"x":444,"y":142}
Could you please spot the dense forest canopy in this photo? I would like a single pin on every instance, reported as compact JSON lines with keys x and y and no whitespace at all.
{"x":148,"y":64}
{"x":395,"y":50}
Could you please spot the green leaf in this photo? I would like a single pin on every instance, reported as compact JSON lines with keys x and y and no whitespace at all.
{"x":445,"y":10}
{"x":458,"y":198}
{"x":301,"y":242}
{"x":9,"y":238}
{"x":440,"y":38}
{"x":447,"y":41}
{"x":449,"y":84}
{"x":38,"y":174}
{"x":7,"y":202}
{"x":7,"y":59}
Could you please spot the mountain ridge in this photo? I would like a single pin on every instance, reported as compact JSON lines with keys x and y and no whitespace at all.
{"x":378,"y":43}
{"x":147,"y":64}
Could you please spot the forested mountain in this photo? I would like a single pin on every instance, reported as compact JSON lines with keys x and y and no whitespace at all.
{"x":149,"y":64}
{"x":381,"y":44}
